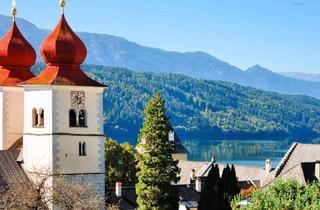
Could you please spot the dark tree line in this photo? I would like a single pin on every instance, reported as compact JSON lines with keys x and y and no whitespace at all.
{"x":219,"y":191}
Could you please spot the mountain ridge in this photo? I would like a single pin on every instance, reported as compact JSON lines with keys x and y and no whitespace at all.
{"x":115,"y":51}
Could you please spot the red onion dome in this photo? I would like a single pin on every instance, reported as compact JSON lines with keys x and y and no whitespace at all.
{"x":63,"y":46}
{"x":15,"y":51}
{"x":16,"y":58}
{"x":63,"y":51}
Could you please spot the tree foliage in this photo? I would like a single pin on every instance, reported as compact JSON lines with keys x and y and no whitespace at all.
{"x":289,"y":195}
{"x":211,"y":197}
{"x":203,"y":108}
{"x":36,"y":194}
{"x":157,"y":170}
{"x":120,"y":163}
{"x":219,"y":191}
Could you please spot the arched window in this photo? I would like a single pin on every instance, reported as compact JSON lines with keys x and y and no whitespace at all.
{"x":72,"y":118}
{"x":82,"y":149}
{"x":41,"y":116}
{"x":82,"y":118}
{"x":34,"y":117}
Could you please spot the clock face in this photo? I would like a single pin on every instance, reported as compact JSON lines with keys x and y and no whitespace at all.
{"x":78,"y":99}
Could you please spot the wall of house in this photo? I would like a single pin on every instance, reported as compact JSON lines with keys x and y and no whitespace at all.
{"x":180,"y":156}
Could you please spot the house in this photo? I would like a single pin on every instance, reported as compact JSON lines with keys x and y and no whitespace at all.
{"x":249,"y":177}
{"x":301,"y":162}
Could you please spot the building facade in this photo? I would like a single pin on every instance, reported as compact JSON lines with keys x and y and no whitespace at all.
{"x":55,"y":118}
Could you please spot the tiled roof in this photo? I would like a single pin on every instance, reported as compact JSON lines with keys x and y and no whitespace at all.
{"x":301,"y":153}
{"x":202,"y":169}
{"x":126,"y":202}
{"x":186,"y":167}
{"x":10,"y":171}
{"x":128,"y":199}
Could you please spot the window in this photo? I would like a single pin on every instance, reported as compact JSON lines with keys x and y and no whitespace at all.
{"x":82,"y":149}
{"x":41,"y":114}
{"x":82,"y":118}
{"x":34,"y":117}
{"x":72,"y":118}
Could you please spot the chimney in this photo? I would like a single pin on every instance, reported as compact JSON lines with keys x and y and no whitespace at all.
{"x":119,"y":189}
{"x":198,"y":185}
{"x":213,"y":159}
{"x":317,"y":169}
{"x":268,"y":166}
{"x":192,"y":176}
{"x":171,"y":136}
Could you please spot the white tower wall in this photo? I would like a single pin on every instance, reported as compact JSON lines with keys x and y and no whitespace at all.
{"x":55,"y":146}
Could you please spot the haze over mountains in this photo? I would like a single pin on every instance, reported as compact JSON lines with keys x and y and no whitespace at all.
{"x":116,"y":51}
{"x":314,"y":77}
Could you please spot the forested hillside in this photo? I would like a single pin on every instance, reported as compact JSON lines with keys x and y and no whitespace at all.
{"x":200,"y":108}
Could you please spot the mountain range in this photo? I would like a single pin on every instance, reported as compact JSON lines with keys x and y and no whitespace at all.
{"x":118,"y":52}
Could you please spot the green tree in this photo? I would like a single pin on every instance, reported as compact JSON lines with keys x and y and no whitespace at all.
{"x":288,"y":195}
{"x":157,"y":170}
{"x":211,"y":198}
{"x":233,"y":187}
{"x":120,"y":163}
{"x":219,"y":192}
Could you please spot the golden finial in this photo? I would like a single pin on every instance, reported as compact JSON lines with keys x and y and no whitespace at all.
{"x":62,"y":5}
{"x":14,"y":10}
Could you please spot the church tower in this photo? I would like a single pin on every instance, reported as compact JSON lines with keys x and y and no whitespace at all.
{"x":16,"y":58}
{"x":63,"y":113}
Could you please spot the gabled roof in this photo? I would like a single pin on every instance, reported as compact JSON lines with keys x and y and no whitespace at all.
{"x":202,"y":169}
{"x":298,"y":153}
{"x":11,"y":173}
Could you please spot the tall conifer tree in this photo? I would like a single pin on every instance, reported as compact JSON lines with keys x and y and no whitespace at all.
{"x":211,"y":198}
{"x":157,"y":170}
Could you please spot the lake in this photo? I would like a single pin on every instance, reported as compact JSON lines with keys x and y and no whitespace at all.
{"x":242,"y":152}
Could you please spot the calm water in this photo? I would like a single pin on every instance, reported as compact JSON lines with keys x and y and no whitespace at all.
{"x":242,"y":152}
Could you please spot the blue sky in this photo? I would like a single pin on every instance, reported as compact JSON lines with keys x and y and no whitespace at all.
{"x":283,"y":35}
